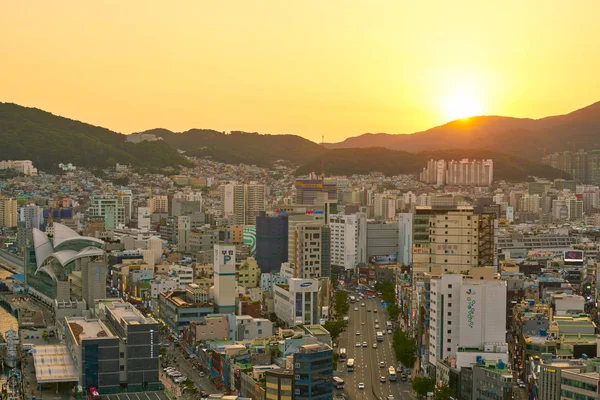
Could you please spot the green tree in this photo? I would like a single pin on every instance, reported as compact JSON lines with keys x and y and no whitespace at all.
{"x":422,"y":385}
{"x":334,"y":281}
{"x":45,"y":335}
{"x":444,"y":392}
{"x":341,"y":305}
{"x":335,"y":327}
{"x":393,"y":311}
{"x":405,"y":348}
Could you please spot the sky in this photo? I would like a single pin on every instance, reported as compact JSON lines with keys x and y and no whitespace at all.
{"x":335,"y":68}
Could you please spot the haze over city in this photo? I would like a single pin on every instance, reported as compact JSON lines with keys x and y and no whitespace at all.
{"x":335,"y":68}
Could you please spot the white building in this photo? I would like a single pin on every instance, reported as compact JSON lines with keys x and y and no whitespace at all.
{"x":32,"y":216}
{"x":385,"y":206}
{"x":308,"y":258}
{"x":125,"y":198}
{"x":245,"y":327}
{"x":405,"y":238}
{"x":224,"y":276}
{"x":467,"y":319}
{"x":297,"y":302}
{"x":269,"y":280}
{"x":348,"y":240}
{"x":162,"y":284}
{"x":110,"y":208}
{"x":143,"y":218}
{"x":183,"y":275}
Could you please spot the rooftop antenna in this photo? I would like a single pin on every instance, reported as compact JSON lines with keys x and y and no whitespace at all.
{"x":323,"y":160}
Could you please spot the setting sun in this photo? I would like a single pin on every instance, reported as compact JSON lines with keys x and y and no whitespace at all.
{"x":461,"y":106}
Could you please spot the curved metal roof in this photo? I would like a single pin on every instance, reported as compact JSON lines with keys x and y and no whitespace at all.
{"x":63,"y":235}
{"x":42,"y":245}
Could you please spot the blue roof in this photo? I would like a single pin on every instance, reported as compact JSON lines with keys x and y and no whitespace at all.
{"x":19,"y":277}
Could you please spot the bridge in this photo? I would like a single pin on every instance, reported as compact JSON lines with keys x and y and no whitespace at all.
{"x":11,"y":263}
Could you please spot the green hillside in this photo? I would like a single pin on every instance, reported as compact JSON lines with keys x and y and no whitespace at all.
{"x":241,"y":147}
{"x":48,"y":140}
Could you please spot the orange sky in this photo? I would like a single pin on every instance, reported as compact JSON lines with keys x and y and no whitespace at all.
{"x":337,"y":68}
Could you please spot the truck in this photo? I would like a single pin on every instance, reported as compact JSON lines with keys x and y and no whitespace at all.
{"x":346,"y":319}
{"x":350,"y":365}
{"x":380,"y":336}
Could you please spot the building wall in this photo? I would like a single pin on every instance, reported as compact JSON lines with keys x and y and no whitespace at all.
{"x":310,"y":369}
{"x":271,"y":241}
{"x":298,"y":303}
{"x":224,"y":276}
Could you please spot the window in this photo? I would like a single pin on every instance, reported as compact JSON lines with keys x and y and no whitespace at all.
{"x":297,"y":365}
{"x":449,"y":314}
{"x":449,"y":340}
{"x":449,"y":304}
{"x":449,"y":330}
{"x":121,"y":355}
{"x":260,"y":331}
{"x":449,"y":349}
{"x":449,"y":286}
{"x":121,"y":367}
{"x":449,"y":295}
{"x":449,"y":322}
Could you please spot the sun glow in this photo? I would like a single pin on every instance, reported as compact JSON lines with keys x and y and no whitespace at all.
{"x":462,"y":106}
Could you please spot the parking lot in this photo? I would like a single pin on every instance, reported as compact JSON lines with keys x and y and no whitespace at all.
{"x":136,"y":396}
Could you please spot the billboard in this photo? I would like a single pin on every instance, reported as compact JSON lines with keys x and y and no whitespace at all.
{"x":388,"y":259}
{"x":573,"y":256}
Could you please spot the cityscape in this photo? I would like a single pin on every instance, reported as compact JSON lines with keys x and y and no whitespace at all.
{"x":279,"y":201}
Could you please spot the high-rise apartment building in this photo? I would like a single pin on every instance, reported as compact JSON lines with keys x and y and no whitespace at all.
{"x":158,"y":204}
{"x":385,"y":206}
{"x":463,"y":173}
{"x":243,"y":203}
{"x":271,"y":241}
{"x":348,"y":240}
{"x":462,"y":239}
{"x":143,"y":218}
{"x":530,"y":203}
{"x":184,"y":227}
{"x":8,"y":212}
{"x":31,"y":216}
{"x":224,"y":277}
{"x":467,"y":320}
{"x":125,"y":198}
{"x":405,"y":238}
{"x":312,"y":257}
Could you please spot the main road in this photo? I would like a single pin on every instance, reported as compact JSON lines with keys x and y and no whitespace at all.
{"x":367,"y":359}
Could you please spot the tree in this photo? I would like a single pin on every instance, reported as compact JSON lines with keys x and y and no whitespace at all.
{"x":341,"y":305}
{"x":393,"y":311}
{"x":334,"y":281}
{"x":444,"y":392}
{"x":335,"y":327}
{"x":45,"y":335}
{"x":422,"y":385}
{"x":405,"y":348}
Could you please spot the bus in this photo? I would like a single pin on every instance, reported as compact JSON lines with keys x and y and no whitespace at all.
{"x":93,"y":393}
{"x":380,"y":336}
{"x":338,"y":382}
{"x":350,"y":365}
{"x":343,"y":354}
{"x":392,"y":374}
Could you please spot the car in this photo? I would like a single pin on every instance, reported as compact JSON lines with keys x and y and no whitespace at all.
{"x":362,"y":304}
{"x":375,"y":310}
{"x":390,"y":397}
{"x":399,"y":370}
{"x":522,"y":385}
{"x":381,"y":364}
{"x":361,"y":385}
{"x":357,"y":344}
{"x":382,"y":379}
{"x":403,"y":377}
{"x":368,"y":310}
{"x":362,"y":323}
{"x":374,"y":345}
{"x":357,"y":333}
{"x":389,"y":331}
{"x":376,"y":321}
{"x":383,"y":332}
{"x":202,"y":374}
{"x":365,"y":344}
{"x":376,"y":326}
{"x":355,"y":308}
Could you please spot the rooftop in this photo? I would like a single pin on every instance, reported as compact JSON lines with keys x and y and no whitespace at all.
{"x":87,"y":329}
{"x":53,"y":363}
{"x":125,"y":312}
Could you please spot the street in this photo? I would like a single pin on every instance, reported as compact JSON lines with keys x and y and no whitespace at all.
{"x":366,"y":368}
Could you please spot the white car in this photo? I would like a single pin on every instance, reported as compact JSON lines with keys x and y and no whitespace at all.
{"x":374,"y":345}
{"x":390,"y":397}
{"x":376,"y":326}
{"x":362,"y":304}
{"x":361,"y":385}
{"x":355,"y":308}
{"x":381,"y":364}
{"x":357,"y":333}
{"x":365,"y":344}
{"x":389,"y":331}
{"x":357,"y":344}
